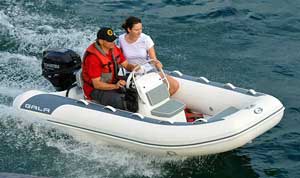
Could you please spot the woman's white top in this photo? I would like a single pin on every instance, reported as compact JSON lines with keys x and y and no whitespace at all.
{"x":136,"y":52}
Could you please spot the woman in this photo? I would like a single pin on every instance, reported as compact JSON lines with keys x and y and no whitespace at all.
{"x":139,"y":47}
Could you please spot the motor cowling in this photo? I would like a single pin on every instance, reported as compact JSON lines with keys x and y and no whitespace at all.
{"x":59,"y":67}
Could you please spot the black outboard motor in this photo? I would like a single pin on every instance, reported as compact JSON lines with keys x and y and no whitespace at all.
{"x":59,"y":67}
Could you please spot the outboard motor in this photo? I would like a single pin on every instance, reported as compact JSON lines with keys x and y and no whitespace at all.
{"x":59,"y":67}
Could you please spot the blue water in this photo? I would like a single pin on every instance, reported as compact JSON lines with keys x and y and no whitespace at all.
{"x":252,"y":44}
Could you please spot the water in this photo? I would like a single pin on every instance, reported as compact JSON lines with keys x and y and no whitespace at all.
{"x":250,"y":44}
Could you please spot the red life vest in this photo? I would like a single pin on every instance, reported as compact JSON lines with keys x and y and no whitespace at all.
{"x":109,"y":69}
{"x":108,"y":66}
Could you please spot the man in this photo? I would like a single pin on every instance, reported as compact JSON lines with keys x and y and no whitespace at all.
{"x":100,"y":69}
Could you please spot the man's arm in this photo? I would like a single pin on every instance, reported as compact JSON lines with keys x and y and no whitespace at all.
{"x":98,"y":84}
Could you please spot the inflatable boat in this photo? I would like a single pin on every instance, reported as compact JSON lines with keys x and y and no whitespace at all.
{"x":226,"y":116}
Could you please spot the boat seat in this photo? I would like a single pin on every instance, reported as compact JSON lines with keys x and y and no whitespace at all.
{"x":223,"y":114}
{"x":79,"y":79}
{"x":80,"y":82}
{"x":158,"y":94}
{"x":170,"y":108}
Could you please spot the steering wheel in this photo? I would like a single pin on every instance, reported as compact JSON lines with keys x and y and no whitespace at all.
{"x":142,"y":71}
{"x":130,"y":78}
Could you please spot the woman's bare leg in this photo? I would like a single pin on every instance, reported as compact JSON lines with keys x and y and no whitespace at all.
{"x":174,"y":85}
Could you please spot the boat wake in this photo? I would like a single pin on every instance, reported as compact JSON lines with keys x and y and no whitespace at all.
{"x":54,"y":153}
{"x":36,"y":147}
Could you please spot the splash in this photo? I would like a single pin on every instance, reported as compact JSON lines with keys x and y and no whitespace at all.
{"x":33,"y":32}
{"x":36,"y":141}
{"x":20,"y":73}
{"x":4,"y":20}
{"x":32,"y":146}
{"x":31,"y":143}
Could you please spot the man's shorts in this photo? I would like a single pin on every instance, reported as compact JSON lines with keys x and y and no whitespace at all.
{"x":112,"y":98}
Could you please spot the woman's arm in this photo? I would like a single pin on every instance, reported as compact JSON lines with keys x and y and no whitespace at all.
{"x":128,"y":66}
{"x":152,"y":55}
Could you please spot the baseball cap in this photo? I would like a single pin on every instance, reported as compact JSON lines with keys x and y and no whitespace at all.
{"x":106,"y":34}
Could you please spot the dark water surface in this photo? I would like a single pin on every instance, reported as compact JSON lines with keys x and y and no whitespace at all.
{"x":252,"y":44}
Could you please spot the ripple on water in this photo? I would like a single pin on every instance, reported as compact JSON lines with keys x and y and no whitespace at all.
{"x":212,"y":14}
{"x":283,"y":70}
{"x":294,"y":109}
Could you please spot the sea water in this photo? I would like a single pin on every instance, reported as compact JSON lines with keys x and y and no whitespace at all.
{"x":252,"y":44}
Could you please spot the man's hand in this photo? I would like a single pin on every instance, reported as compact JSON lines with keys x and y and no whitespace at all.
{"x":120,"y":83}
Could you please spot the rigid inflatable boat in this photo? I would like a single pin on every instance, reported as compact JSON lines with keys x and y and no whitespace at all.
{"x":232,"y":116}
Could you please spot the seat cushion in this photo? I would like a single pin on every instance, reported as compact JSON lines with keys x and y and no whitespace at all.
{"x":158,"y":94}
{"x":168,"y":109}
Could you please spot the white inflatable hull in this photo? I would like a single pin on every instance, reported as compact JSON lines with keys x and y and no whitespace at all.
{"x":235,"y":116}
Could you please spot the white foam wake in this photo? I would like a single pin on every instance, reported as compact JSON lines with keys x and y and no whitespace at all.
{"x":4,"y":20}
{"x":82,"y":159}
{"x":35,"y":32}
{"x":21,"y":71}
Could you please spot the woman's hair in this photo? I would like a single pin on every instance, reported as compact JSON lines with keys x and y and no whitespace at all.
{"x":129,"y":22}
